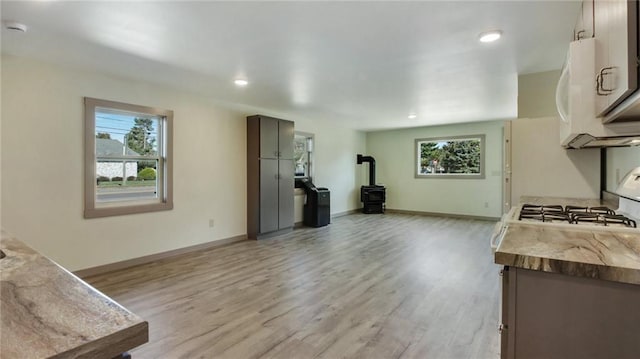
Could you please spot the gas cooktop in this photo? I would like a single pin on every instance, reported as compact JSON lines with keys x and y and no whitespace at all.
{"x":599,"y":216}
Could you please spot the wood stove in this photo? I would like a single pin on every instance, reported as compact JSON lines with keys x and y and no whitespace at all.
{"x":372,"y":196}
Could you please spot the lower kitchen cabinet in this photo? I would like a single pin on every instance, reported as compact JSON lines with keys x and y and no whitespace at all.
{"x":550,"y":315}
{"x":276,"y":194}
{"x":268,"y":197}
{"x":285,"y":193}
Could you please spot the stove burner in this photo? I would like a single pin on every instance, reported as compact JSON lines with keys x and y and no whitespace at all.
{"x":543,"y":208}
{"x":616,"y":218}
{"x":575,"y":209}
{"x":574,"y":215}
{"x":584,"y":217}
{"x":544,"y":213}
{"x":602,"y":210}
{"x":553,"y":208}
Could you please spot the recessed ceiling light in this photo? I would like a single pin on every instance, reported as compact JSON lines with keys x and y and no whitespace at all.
{"x":241,"y":82}
{"x":412,"y":116}
{"x":15,"y":26}
{"x":490,"y":36}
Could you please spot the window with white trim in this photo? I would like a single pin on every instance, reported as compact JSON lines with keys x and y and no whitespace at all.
{"x":302,"y":154}
{"x":128,"y":158}
{"x":450,"y":157}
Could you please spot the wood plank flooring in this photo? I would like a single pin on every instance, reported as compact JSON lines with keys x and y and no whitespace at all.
{"x":366,"y":286}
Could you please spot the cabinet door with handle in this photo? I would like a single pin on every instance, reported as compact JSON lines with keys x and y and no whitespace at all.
{"x":507,"y":325}
{"x":285,"y":194}
{"x":269,"y":137}
{"x":269,"y":179}
{"x":616,"y":35}
{"x":285,"y":139}
{"x":584,"y":24}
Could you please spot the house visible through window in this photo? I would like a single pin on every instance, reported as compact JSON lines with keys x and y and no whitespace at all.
{"x":127,"y":158}
{"x":302,"y":149}
{"x":450,"y":157}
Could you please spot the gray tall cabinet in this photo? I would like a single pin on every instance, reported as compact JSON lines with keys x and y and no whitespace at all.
{"x":270,"y":175}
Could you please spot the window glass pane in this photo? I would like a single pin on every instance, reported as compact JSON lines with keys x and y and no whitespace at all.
{"x":126,"y":180}
{"x":454,"y":156}
{"x":121,"y":133}
{"x":301,"y":156}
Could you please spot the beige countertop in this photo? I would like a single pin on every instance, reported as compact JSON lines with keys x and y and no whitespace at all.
{"x":45,"y":311}
{"x":593,"y":253}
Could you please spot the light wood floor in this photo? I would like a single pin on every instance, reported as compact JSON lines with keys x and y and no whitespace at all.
{"x":366,"y":286}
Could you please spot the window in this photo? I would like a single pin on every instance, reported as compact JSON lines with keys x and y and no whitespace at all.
{"x":302,"y":149}
{"x":450,"y":157}
{"x":128,"y":165}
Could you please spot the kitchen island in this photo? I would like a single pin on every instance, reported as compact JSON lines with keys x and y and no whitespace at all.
{"x":46,"y":311}
{"x":569,"y":291}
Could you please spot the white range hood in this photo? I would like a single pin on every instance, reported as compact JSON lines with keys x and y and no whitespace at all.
{"x":575,"y":99}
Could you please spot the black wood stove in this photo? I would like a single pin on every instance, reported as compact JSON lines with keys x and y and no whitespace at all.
{"x":372,"y":196}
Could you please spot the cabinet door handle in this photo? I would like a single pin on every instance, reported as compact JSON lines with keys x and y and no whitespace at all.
{"x":275,"y":153}
{"x":600,"y":90}
{"x":598,"y":86}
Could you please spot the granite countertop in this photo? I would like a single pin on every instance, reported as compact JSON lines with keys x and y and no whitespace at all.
{"x":46,"y":311}
{"x":593,"y":253}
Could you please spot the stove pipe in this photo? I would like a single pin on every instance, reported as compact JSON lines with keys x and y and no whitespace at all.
{"x":372,"y":167}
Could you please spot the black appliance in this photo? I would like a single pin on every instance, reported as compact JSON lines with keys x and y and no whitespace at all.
{"x":372,"y":196}
{"x":317,"y":207}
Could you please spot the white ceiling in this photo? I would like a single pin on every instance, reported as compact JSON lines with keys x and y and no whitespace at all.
{"x":364,"y":64}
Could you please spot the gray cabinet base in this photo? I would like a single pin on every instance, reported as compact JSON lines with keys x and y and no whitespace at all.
{"x":559,"y":316}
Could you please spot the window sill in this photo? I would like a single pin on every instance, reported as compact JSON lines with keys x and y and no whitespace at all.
{"x":119,"y":211}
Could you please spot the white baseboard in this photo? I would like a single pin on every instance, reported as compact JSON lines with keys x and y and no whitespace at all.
{"x":436,"y":214}
{"x":88,"y":272}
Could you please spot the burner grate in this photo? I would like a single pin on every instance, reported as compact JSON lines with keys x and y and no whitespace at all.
{"x":585,"y":217}
{"x":576,"y":209}
{"x":598,"y":215}
{"x":618,"y":219}
{"x":545,"y":213}
{"x":602,"y":210}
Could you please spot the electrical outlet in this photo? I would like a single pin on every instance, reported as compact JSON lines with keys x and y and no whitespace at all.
{"x":211,"y":223}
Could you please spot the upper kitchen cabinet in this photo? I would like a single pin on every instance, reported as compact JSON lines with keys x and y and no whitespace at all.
{"x":584,"y":24}
{"x":275,"y":135}
{"x":616,"y":34}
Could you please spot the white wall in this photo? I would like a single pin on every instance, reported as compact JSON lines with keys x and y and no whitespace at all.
{"x":541,"y":167}
{"x":394,"y":152}
{"x":42,"y":174}
{"x":537,"y":94}
{"x":42,"y":142}
{"x":335,"y":167}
